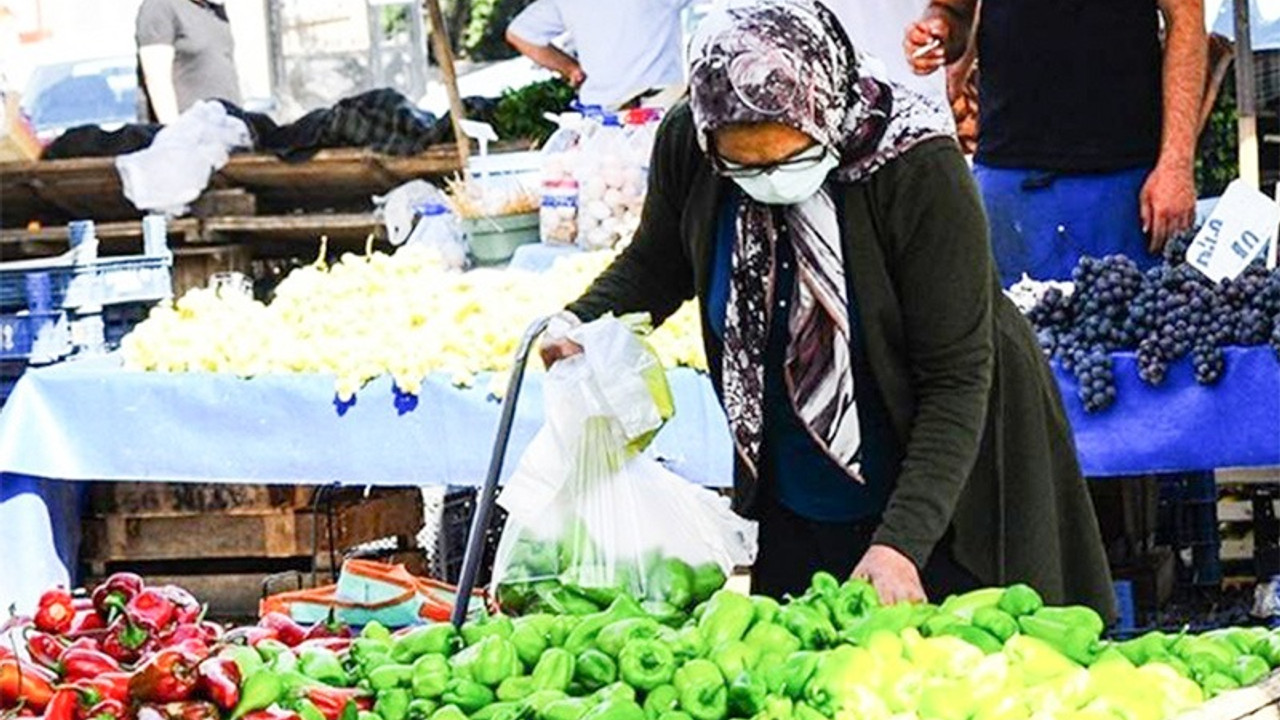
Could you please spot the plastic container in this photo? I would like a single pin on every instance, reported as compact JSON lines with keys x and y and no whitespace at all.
{"x":493,"y":240}
{"x":558,"y":218}
{"x":611,"y":186}
{"x":35,"y":337}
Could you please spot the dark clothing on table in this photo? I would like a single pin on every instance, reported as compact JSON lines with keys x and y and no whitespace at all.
{"x":805,"y":479}
{"x":93,"y":141}
{"x":796,"y":548}
{"x":988,"y":454}
{"x":1070,"y":85}
{"x":204,"y":65}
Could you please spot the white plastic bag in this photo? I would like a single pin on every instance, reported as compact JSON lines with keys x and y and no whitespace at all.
{"x":590,"y":514}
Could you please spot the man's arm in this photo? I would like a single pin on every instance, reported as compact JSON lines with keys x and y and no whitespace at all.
{"x":550,"y":57}
{"x":1168,"y":199}
{"x":157,"y":74}
{"x":947,"y":22}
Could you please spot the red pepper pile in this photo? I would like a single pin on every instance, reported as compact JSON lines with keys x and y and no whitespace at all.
{"x":128,"y":651}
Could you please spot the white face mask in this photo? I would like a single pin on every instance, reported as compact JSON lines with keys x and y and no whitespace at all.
{"x":788,"y":185}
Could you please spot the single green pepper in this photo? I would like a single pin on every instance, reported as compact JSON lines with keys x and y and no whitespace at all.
{"x":614,"y":636}
{"x":269,"y":648}
{"x":1222,"y":653}
{"x":803,"y":711}
{"x":246,"y":659}
{"x":1038,"y":660}
{"x":766,"y":609}
{"x":370,"y":652}
{"x":999,"y":623}
{"x":768,"y":638}
{"x":468,"y":695}
{"x":615,"y":692}
{"x":368,"y":715}
{"x":431,"y":675}
{"x":938,"y":623}
{"x":449,"y":712}
{"x":776,"y":708}
{"x":567,"y":709}
{"x":594,"y":669}
{"x":734,"y":658}
{"x":1268,"y":648}
{"x":671,"y":580}
{"x":324,"y":665}
{"x":422,"y":709}
{"x":586,"y":631}
{"x":438,"y":639}
{"x":1019,"y":600}
{"x":747,"y":694}
{"x":1147,"y":648}
{"x":790,"y":677}
{"x":1076,"y":615}
{"x":805,"y":622}
{"x":539,"y":699}
{"x":893,"y":619}
{"x":559,"y":630}
{"x":391,"y":676}
{"x":1075,"y":641}
{"x":851,"y":602}
{"x":660,"y":700}
{"x":727,"y":617}
{"x":517,"y":687}
{"x":615,"y":710}
{"x":823,"y":584}
{"x":707,"y":579}
{"x":530,"y":643}
{"x":702,"y":690}
{"x":977,"y":637}
{"x":1249,"y":669}
{"x":646,"y":664}
{"x":689,"y":644}
{"x":285,"y":662}
{"x":1217,"y":683}
{"x":665,"y":613}
{"x":515,"y":597}
{"x":489,"y":661}
{"x":500,"y":711}
{"x":965,"y":605}
{"x":554,"y":671}
{"x":375,"y":630}
{"x":393,"y":704}
{"x":555,"y":598}
{"x":476,"y":630}
{"x":260,"y":691}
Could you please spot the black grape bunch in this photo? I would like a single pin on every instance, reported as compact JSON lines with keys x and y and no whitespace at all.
{"x":1167,"y":314}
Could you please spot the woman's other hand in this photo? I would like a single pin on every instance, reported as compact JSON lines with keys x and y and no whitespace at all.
{"x":556,"y":344}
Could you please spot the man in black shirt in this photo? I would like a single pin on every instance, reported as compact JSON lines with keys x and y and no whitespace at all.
{"x":1087,"y":128}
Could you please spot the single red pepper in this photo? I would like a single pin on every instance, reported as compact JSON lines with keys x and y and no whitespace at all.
{"x":195,"y":649}
{"x":329,"y":628}
{"x":107,"y":686}
{"x":219,"y":681}
{"x":187,"y":609}
{"x":332,"y":701}
{"x":45,"y":649}
{"x":213,"y":632}
{"x":107,"y":710}
{"x":150,"y":609}
{"x":249,"y":635}
{"x":63,"y":705}
{"x":79,"y":663}
{"x":288,"y":632}
{"x":30,"y":683}
{"x":54,"y":611}
{"x":167,"y":676}
{"x":111,"y":597}
{"x":187,"y":631}
{"x":125,"y":641}
{"x":85,"y":622}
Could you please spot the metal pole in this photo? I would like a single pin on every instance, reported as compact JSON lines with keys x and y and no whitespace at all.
{"x":477,"y":540}
{"x":1246,"y":96}
{"x":444,"y":56}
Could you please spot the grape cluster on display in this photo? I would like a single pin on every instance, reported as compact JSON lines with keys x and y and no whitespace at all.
{"x":1165,"y":314}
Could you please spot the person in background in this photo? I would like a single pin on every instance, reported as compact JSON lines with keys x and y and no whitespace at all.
{"x":185,"y":54}
{"x":875,"y":27}
{"x":628,"y":53}
{"x":892,"y":414}
{"x":1087,"y":129}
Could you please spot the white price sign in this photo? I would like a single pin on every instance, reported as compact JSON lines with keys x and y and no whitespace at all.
{"x":1240,"y":228}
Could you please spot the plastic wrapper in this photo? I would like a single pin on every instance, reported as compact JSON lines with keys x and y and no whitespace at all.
{"x":591,"y":514}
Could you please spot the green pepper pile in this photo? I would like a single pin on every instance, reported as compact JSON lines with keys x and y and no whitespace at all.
{"x":834,"y":653}
{"x":569,"y":577}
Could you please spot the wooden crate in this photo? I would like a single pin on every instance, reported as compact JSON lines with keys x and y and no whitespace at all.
{"x":1258,"y":702}
{"x":193,"y":266}
{"x":125,"y":538}
{"x":159,"y":499}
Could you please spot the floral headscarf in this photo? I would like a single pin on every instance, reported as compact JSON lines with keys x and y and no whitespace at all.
{"x":790,"y":62}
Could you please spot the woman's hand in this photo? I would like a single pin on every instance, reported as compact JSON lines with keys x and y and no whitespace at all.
{"x":554,"y":350}
{"x":893,"y":575}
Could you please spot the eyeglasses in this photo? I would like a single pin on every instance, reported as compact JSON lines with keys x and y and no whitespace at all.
{"x":804,"y":159}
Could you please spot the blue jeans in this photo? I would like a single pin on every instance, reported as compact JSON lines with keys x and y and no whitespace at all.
{"x":1043,"y":222}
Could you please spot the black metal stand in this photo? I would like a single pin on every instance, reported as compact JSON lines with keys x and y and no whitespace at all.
{"x":484,"y":499}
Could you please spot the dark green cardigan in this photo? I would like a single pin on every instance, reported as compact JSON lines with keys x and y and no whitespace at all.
{"x":989,"y":454}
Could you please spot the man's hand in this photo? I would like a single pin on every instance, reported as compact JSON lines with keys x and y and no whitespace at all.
{"x":925,"y":45}
{"x":575,"y":75}
{"x":1167,"y":203}
{"x":893,"y":575}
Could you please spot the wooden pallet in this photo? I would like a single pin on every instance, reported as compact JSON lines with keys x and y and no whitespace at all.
{"x":1258,"y":702}
{"x":178,"y":499}
{"x":125,"y":538}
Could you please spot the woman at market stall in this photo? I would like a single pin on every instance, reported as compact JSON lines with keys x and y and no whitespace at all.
{"x":892,"y":414}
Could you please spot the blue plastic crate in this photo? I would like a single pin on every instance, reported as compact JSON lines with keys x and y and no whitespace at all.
{"x":106,"y":281}
{"x":37,"y":337}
